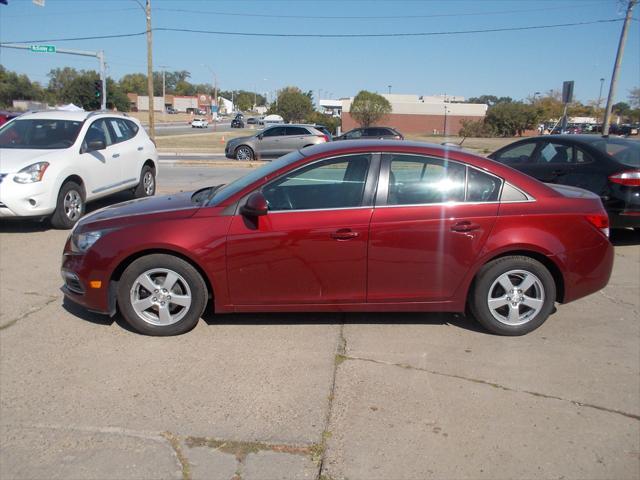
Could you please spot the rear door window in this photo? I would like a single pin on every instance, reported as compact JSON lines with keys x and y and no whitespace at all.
{"x":556,"y":153}
{"x":122,"y":129}
{"x":424,"y":180}
{"x":296,"y":131}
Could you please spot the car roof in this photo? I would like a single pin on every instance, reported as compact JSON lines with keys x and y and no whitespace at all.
{"x":78,"y":116}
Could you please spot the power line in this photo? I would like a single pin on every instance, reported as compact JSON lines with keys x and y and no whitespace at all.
{"x":356,"y":17}
{"x":327,"y":35}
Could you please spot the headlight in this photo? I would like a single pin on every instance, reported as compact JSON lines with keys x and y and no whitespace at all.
{"x":81,"y":242}
{"x":32,"y":173}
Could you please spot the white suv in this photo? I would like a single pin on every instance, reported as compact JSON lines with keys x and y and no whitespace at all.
{"x":52,"y":163}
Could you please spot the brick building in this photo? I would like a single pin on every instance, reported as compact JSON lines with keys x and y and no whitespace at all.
{"x":422,"y":114}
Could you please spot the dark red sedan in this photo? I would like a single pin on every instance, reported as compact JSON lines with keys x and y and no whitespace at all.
{"x":383,"y":226}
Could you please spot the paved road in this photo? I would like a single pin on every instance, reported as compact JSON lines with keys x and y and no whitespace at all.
{"x":357,"y":396}
{"x":184,"y":128}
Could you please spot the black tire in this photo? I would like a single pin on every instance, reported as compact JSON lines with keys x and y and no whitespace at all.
{"x":69,"y":206}
{"x":188,"y":284}
{"x":147,"y":185}
{"x":531,"y":307}
{"x":250,"y":155}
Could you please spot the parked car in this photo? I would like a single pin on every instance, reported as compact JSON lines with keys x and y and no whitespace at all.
{"x":369,"y":133}
{"x":171,"y":110}
{"x":624,"y":129}
{"x":53,"y":162}
{"x":274,"y":141}
{"x":252,"y":121}
{"x":6,"y":116}
{"x":324,"y":130}
{"x":608,"y":167}
{"x":237,"y":123}
{"x":347,"y":226}
{"x":199,"y":123}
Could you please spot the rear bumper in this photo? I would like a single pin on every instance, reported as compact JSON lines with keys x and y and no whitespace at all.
{"x":588,"y":270}
{"x":624,"y":218}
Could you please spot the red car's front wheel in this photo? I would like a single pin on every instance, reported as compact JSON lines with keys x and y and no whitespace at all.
{"x":161,"y":295}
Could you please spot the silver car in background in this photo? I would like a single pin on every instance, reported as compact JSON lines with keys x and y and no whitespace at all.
{"x":274,"y":141}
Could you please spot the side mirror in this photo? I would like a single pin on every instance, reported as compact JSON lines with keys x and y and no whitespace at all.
{"x":260,"y":136}
{"x":94,"y":145}
{"x":256,"y":205}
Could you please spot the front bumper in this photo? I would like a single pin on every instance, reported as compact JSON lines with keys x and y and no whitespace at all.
{"x":25,"y":199}
{"x":85,"y":285}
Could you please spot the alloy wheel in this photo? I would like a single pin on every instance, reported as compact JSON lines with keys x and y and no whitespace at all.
{"x":160,"y":296}
{"x":148,"y":182}
{"x":73,"y":205}
{"x":516,"y":297}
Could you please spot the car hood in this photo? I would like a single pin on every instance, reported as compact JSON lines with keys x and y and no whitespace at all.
{"x":13,"y":160}
{"x":240,"y":139}
{"x":179,"y":203}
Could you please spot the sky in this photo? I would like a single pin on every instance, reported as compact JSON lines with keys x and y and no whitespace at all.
{"x":507,"y":63}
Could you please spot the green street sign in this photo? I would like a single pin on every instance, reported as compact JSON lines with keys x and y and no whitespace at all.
{"x":43,"y":48}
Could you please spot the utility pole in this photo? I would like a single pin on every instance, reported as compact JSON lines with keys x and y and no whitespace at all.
{"x":600,"y":97}
{"x":152,"y":123}
{"x":616,"y":68}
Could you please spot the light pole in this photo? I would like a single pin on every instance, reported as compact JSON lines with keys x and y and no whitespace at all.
{"x":600,"y":96}
{"x":445,"y":120}
{"x":389,"y":87}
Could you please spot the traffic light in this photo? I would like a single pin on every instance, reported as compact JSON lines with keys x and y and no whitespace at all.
{"x":97,"y":89}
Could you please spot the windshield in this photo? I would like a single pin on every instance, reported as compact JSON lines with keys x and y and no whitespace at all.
{"x":237,"y":185}
{"x":39,"y":134}
{"x":623,"y":151}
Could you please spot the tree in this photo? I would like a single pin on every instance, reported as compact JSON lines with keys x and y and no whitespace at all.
{"x":369,"y":108}
{"x":622,"y":109}
{"x":134,"y":83}
{"x":116,"y":97}
{"x":490,"y":100}
{"x":634,"y":97}
{"x":292,"y":105}
{"x":509,"y":119}
{"x":17,"y":87}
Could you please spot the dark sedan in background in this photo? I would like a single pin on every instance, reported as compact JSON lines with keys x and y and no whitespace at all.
{"x":371,"y":133}
{"x":609,"y":167}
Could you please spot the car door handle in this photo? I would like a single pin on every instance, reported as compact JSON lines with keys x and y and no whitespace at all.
{"x":465,"y":226}
{"x":140,"y":149}
{"x":115,"y":155}
{"x":344,"y":234}
{"x":559,"y":172}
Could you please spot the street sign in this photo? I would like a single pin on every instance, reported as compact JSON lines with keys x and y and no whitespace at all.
{"x":43,"y":48}
{"x":567,"y":91}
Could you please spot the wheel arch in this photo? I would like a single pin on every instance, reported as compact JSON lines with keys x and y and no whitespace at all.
{"x":151,"y":164}
{"x":549,"y":264}
{"x":125,"y":262}
{"x":77,"y":179}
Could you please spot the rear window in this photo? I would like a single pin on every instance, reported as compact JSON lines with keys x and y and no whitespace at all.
{"x":626,"y":152}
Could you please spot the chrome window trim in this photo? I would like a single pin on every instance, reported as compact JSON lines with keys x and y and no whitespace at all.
{"x":274,"y":212}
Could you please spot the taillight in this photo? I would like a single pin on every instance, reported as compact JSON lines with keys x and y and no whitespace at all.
{"x":325,"y":137}
{"x":630,"y":178}
{"x":397,"y":137}
{"x":600,"y":221}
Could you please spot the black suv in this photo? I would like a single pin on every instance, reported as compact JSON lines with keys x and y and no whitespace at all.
{"x":386,"y":133}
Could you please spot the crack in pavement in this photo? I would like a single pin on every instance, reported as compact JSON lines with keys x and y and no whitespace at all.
{"x":47,"y":302}
{"x":618,"y":301}
{"x":495,"y":385}
{"x":239,"y":449}
{"x":340,"y":356}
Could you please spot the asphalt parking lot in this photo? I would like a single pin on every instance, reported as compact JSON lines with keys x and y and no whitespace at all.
{"x":311,"y":396}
